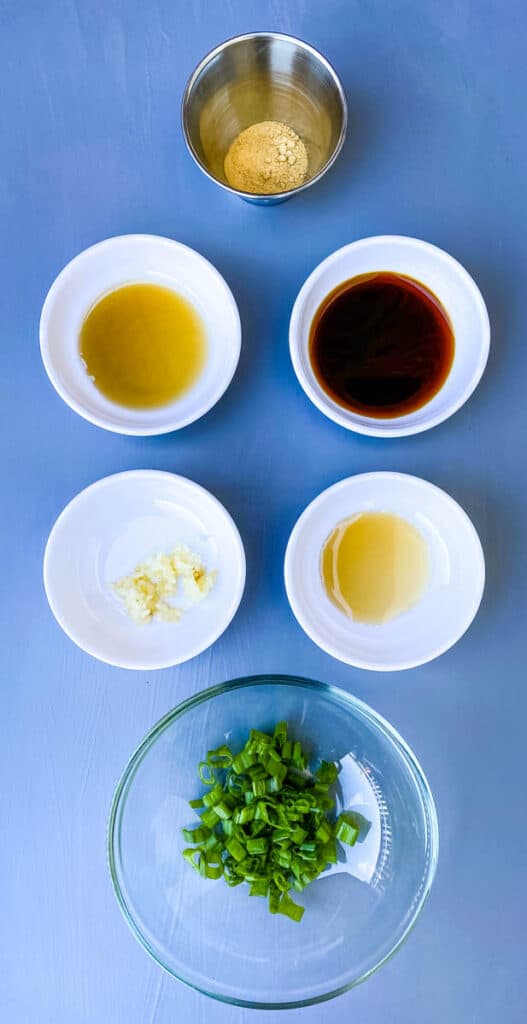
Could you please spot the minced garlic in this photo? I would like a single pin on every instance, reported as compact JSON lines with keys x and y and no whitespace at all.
{"x":144,"y":591}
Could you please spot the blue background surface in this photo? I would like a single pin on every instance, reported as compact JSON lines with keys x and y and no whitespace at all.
{"x":92,"y":147}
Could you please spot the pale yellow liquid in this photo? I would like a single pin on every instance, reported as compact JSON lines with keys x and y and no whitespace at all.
{"x":143,"y":345}
{"x":374,"y":566}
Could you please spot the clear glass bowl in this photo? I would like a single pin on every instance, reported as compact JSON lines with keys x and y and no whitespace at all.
{"x":223,"y":942}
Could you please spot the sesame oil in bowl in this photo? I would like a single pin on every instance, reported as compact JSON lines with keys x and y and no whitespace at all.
{"x":143,"y":345}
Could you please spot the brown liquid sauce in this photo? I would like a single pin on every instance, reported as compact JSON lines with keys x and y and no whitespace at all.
{"x":381,"y":345}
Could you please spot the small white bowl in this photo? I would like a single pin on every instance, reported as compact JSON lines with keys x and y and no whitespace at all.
{"x":134,"y":259}
{"x":439,"y":272}
{"x":105,"y":532}
{"x":452,"y":595}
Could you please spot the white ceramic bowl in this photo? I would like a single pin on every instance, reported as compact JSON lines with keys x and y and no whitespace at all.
{"x":452,"y":595}
{"x":452,"y":285}
{"x":131,"y":259}
{"x":102,"y":535}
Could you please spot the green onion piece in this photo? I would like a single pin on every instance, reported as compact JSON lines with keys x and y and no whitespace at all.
{"x":280,"y":881}
{"x":210,"y":818}
{"x":214,"y":795}
{"x":260,"y":737}
{"x":329,"y":852}
{"x":235,"y":783}
{"x":299,"y":759}
{"x":212,"y":845}
{"x":347,"y":829}
{"x":196,"y":835}
{"x":289,"y":908}
{"x":244,"y":814}
{"x":206,"y":773}
{"x":195,"y":804}
{"x":327,"y":773}
{"x":280,"y":732}
{"x":242,"y":762}
{"x":323,"y":832}
{"x":274,"y":898}
{"x":190,"y":857}
{"x":259,"y":887}
{"x":214,"y":870}
{"x":235,"y":849}
{"x":287,"y":750}
{"x":223,"y":809}
{"x":257,"y":846}
{"x":220,"y":758}
{"x":278,"y":770}
{"x":283,"y":858}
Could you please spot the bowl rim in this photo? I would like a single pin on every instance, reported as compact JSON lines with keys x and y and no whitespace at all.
{"x":173,"y":421}
{"x":375,"y":427}
{"x":333,"y":693}
{"x":100,"y":485}
{"x":274,"y":197}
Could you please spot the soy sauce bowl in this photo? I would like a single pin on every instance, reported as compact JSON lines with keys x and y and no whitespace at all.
{"x":441,"y":274}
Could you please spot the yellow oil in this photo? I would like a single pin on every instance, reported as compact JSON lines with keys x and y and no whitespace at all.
{"x":374,"y":566}
{"x":143,"y":345}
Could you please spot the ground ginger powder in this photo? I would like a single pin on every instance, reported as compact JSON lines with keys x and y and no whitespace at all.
{"x":265,"y":158}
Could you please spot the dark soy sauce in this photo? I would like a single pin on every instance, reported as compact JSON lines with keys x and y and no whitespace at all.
{"x":381,"y":344}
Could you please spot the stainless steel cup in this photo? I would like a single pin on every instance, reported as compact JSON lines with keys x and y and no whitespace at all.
{"x":264,"y":76}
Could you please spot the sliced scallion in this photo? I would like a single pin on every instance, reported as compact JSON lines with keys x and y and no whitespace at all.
{"x":264,"y":819}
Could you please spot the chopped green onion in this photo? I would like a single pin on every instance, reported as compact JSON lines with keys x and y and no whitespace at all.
{"x":214,"y":870}
{"x":299,"y":759}
{"x":196,"y":835}
{"x":347,"y":829}
{"x":257,"y":846}
{"x":210,"y":818}
{"x":327,"y":773}
{"x":214,"y":795}
{"x":242,"y":762}
{"x":260,"y":887}
{"x":223,"y":809}
{"x":280,"y":733}
{"x":235,"y":849}
{"x":206,"y":773}
{"x":264,"y":819}
{"x":274,"y":899}
{"x":289,"y":908}
{"x":220,"y":758}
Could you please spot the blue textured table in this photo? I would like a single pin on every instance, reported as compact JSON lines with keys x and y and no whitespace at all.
{"x":92,"y":147}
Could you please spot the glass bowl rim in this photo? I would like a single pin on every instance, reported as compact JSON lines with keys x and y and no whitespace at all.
{"x":336,"y":694}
